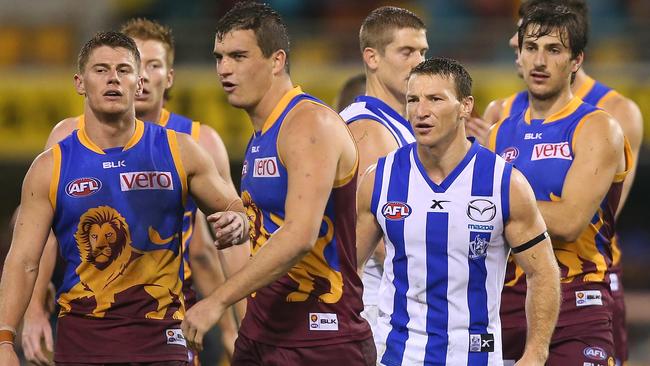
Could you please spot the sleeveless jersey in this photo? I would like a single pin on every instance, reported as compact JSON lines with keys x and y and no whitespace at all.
{"x":367,"y":107}
{"x":445,"y":259}
{"x":118,"y":217}
{"x":318,"y":301}
{"x":184,"y":125}
{"x":543,"y":151}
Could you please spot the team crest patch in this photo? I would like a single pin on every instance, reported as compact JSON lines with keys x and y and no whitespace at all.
{"x":478,"y":244}
{"x":396,"y":210}
{"x":481,"y":342}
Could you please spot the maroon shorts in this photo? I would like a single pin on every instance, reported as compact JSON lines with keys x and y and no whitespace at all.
{"x":356,"y":353}
{"x":572,"y":345}
{"x":160,"y":363}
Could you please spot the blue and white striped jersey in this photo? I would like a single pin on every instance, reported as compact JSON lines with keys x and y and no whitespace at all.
{"x":367,"y":107}
{"x":445,"y":261}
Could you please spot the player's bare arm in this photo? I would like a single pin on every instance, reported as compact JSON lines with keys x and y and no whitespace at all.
{"x":629,"y":117}
{"x":368,"y":230}
{"x":37,"y":330}
{"x":36,"y":322}
{"x":212,"y":193}
{"x":373,"y":141}
{"x":210,"y":140}
{"x":525,"y":231}
{"x":30,"y":233}
{"x":598,"y":150}
{"x":310,"y":146}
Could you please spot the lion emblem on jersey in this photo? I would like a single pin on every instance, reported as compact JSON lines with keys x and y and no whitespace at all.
{"x":110,"y":265}
{"x":258,"y":233}
{"x":313,"y":265}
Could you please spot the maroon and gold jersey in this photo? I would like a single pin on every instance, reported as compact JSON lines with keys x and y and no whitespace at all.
{"x":319,"y":301}
{"x":543,"y":151}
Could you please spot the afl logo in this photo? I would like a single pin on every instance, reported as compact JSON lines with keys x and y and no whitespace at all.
{"x":83,"y":187}
{"x":396,"y":210}
{"x":510,"y":154}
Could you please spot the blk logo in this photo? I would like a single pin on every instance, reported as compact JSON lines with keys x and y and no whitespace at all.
{"x":533,"y":136}
{"x":437,"y":204}
{"x":114,"y":164}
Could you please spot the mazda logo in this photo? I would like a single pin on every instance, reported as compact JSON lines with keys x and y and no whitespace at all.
{"x":481,"y":210}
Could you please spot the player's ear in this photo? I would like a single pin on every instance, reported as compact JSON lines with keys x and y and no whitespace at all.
{"x":170,"y":78}
{"x":279,"y":58}
{"x":466,"y":107}
{"x":79,"y":84}
{"x":371,"y":58}
{"x":577,"y":62}
{"x":139,"y":86}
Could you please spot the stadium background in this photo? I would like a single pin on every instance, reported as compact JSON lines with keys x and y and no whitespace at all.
{"x":39,"y":41}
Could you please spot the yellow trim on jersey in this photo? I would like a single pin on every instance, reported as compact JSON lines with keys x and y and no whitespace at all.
{"x":492,"y":137}
{"x":85,"y":141}
{"x":187,"y":272}
{"x":137,"y":135}
{"x":178,"y":162}
{"x":81,"y":122}
{"x":566,"y":111}
{"x":56,"y":174}
{"x":195,"y":132}
{"x":507,"y":106}
{"x":164,"y":117}
{"x":606,"y":97}
{"x":585,"y":88}
{"x":279,"y":108}
{"x":629,"y":162}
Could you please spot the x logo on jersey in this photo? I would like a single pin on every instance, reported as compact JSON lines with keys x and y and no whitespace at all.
{"x":438,"y":204}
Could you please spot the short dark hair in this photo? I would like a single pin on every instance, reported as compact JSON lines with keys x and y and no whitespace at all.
{"x":146,"y":29}
{"x":579,"y":7}
{"x":550,"y":17}
{"x":448,"y":68}
{"x":111,"y":39}
{"x":269,"y":28}
{"x":377,"y":29}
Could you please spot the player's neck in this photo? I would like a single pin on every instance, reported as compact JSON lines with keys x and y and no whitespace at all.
{"x":107,"y":130}
{"x":440,"y":159}
{"x":263,"y":109}
{"x":375,"y":88}
{"x":543,"y":108}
